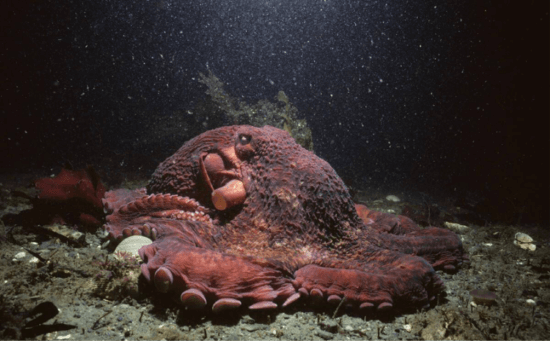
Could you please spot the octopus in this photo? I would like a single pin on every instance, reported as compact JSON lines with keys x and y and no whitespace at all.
{"x":242,"y":216}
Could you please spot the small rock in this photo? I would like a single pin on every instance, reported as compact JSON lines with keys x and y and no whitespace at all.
{"x":485,"y":297}
{"x":330,"y":326}
{"x":19,"y":256}
{"x":456,"y":227}
{"x":325,"y":335}
{"x":67,"y":232}
{"x":106,"y":244}
{"x":531,"y":302}
{"x":248,"y":319}
{"x":393,"y":198}
{"x":524,"y":241}
{"x":407,"y":327}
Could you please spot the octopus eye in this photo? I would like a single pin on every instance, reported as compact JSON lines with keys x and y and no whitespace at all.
{"x":244,"y":139}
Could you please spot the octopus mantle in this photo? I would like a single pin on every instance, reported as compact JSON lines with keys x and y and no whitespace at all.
{"x":244,"y":216}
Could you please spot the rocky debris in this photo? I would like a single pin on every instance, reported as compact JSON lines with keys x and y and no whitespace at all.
{"x":67,"y":232}
{"x":98,"y":294}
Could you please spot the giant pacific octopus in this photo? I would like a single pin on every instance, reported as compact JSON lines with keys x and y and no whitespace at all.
{"x":244,"y":216}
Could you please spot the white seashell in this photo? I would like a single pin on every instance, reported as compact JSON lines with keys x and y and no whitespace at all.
{"x":523,"y":238}
{"x":132,"y":244}
{"x":524,"y":241}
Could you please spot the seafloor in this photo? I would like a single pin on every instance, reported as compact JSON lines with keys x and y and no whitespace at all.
{"x":57,"y":284}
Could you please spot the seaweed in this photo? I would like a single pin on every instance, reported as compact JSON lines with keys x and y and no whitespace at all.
{"x":280,"y":113}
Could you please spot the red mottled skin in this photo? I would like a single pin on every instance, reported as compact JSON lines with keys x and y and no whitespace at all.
{"x":297,"y":234}
{"x":71,"y":197}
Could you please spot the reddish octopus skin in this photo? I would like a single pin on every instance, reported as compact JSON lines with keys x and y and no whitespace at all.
{"x":297,"y":234}
{"x":71,"y":197}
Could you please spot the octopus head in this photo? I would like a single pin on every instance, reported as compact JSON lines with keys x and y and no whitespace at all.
{"x":256,"y":171}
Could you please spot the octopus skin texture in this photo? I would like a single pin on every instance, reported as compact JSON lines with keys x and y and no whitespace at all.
{"x":73,"y":197}
{"x":244,"y":216}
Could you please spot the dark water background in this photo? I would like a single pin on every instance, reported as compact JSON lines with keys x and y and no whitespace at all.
{"x":447,"y":95}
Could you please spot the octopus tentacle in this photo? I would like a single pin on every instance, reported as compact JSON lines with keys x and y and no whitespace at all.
{"x":441,"y":248}
{"x":158,"y":215}
{"x":200,"y":276}
{"x":371,"y":287}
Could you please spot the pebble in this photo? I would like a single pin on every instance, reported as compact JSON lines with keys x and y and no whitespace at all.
{"x":66,"y":232}
{"x":456,"y":227}
{"x":19,"y":256}
{"x":524,"y":241}
{"x":330,"y":326}
{"x":481,"y":296}
{"x":325,"y":335}
{"x":393,"y":198}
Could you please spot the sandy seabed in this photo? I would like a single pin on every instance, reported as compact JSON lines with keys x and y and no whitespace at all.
{"x":62,"y":285}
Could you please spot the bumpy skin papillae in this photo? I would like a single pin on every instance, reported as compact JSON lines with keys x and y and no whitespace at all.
{"x":296,"y":234}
